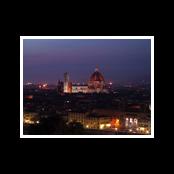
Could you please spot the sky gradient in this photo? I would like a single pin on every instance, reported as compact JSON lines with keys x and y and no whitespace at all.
{"x":120,"y":61}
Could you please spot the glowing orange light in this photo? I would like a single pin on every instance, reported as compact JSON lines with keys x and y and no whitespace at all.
{"x":29,"y":97}
{"x":115,"y":123}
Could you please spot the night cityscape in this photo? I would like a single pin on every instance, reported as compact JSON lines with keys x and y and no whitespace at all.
{"x":87,"y":87}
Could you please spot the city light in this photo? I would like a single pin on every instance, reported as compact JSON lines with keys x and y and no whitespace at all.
{"x":87,"y":126}
{"x":147,"y":132}
{"x":101,"y":126}
{"x":131,"y":120}
{"x":135,"y":121}
{"x":115,"y":123}
{"x":27,"y":121}
{"x":45,"y":85}
{"x":28,"y":83}
{"x":108,"y":125}
{"x":29,"y":97}
{"x":142,"y":129}
{"x":30,"y":119}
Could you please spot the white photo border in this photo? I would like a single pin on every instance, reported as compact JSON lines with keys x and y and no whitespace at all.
{"x":86,"y":37}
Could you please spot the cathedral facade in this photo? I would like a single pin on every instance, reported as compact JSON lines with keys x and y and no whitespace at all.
{"x":96,"y":84}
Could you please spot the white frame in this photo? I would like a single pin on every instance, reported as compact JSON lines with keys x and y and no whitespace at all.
{"x":86,"y":37}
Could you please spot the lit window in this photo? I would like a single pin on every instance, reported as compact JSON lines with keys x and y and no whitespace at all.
{"x":101,"y":126}
{"x":108,"y":125}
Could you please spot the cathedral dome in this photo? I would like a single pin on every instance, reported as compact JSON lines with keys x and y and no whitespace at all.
{"x":97,"y":76}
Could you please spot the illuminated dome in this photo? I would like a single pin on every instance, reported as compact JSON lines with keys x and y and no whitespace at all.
{"x":96,"y":82}
{"x":97,"y":76}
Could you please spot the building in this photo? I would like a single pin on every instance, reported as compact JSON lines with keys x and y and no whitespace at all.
{"x":108,"y":119}
{"x":97,"y":82}
{"x":66,"y":81}
{"x":144,"y":126}
{"x":93,"y":122}
{"x":67,"y":84}
{"x":31,"y":118}
{"x":77,"y":88}
{"x":131,"y":122}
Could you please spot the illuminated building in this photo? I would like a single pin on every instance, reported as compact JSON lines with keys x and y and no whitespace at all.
{"x":31,"y":118}
{"x":96,"y":119}
{"x":80,"y":88}
{"x":97,"y":82}
{"x":144,"y":126}
{"x":88,"y":121}
{"x":67,"y":84}
{"x":108,"y":119}
{"x":66,"y":81}
{"x":131,"y":122}
{"x":115,"y":123}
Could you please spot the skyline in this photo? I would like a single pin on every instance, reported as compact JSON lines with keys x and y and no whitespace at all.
{"x":120,"y":61}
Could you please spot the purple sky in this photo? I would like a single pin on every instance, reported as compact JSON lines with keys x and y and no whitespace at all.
{"x":120,"y":61}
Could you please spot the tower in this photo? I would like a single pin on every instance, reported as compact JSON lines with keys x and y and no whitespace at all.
{"x":67,"y":84}
{"x":60,"y":87}
{"x":66,"y":77}
{"x":66,"y":81}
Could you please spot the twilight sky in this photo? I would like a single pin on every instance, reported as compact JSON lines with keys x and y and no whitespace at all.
{"x":120,"y":61}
